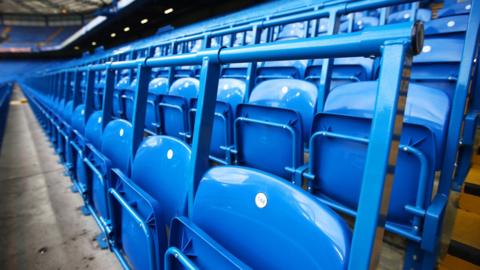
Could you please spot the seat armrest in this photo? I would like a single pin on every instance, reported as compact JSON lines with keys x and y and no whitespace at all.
{"x":433,"y":222}
{"x":183,"y":231}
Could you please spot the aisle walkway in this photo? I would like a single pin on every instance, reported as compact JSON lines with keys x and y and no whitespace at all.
{"x":41,"y":226}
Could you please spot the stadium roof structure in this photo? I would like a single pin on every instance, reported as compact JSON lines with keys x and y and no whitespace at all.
{"x":36,"y":7}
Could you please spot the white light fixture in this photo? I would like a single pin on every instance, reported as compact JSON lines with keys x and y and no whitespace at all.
{"x":113,"y":35}
{"x":76,"y":48}
{"x":126,"y":29}
{"x":144,"y":21}
{"x":168,"y":11}
{"x":94,"y":43}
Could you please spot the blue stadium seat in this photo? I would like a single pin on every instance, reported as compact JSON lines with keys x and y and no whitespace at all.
{"x":341,"y":133}
{"x":454,"y":9}
{"x":145,"y":204}
{"x":77,"y":142}
{"x":174,"y":107}
{"x":424,"y":15}
{"x":276,"y":122}
{"x":438,"y":64}
{"x":98,"y":90}
{"x":122,"y":85}
{"x":230,"y":94}
{"x":360,"y":21}
{"x":294,"y":69}
{"x":338,"y":138}
{"x":128,"y":99}
{"x":114,"y":154}
{"x":426,"y":106}
{"x":156,"y":87}
{"x":345,"y":70}
{"x":245,"y":218}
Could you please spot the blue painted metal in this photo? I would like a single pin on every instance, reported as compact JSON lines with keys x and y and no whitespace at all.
{"x":462,"y":90}
{"x":232,"y":202}
{"x":425,"y":106}
{"x":381,"y":155}
{"x":209,"y":77}
{"x":368,"y":42}
{"x":326,"y":73}
{"x":156,"y":193}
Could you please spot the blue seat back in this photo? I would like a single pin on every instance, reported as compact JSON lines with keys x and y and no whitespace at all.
{"x":425,"y":106}
{"x":78,"y":118}
{"x":446,"y":26}
{"x":93,"y":129}
{"x":438,"y":64}
{"x":128,"y":99}
{"x":68,"y":111}
{"x":296,"y":95}
{"x":116,"y":144}
{"x":98,"y":91}
{"x":185,"y":87}
{"x":424,"y":15}
{"x":230,"y":94}
{"x":294,"y":69}
{"x":120,"y":88}
{"x":235,"y":70}
{"x":174,"y":107}
{"x":286,"y":227}
{"x":156,"y":87}
{"x":345,"y":70}
{"x":263,"y":132}
{"x":458,"y":8}
{"x":160,"y":169}
{"x":338,"y":163}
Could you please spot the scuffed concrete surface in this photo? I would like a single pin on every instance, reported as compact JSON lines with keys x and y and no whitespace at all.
{"x":41,"y":226}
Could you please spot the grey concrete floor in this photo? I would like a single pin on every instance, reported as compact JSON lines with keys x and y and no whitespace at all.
{"x":41,"y":226}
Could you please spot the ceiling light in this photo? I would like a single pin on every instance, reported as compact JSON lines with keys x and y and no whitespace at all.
{"x":126,"y":29}
{"x":76,"y":48}
{"x":167,"y":11}
{"x":144,"y":21}
{"x":113,"y":35}
{"x":94,"y":43}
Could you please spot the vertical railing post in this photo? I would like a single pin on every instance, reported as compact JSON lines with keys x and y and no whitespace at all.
{"x":202,"y":134}
{"x":139,"y":108}
{"x":171,"y":70}
{"x":381,"y":157}
{"x":252,"y":67}
{"x":107,"y":105}
{"x":89,"y":95}
{"x":327,"y":65}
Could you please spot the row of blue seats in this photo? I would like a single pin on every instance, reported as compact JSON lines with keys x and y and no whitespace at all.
{"x":176,"y":102}
{"x":279,"y":120}
{"x":5,"y":93}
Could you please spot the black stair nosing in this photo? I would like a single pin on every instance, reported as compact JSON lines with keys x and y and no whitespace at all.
{"x":464,"y":252}
{"x":472,"y":189}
